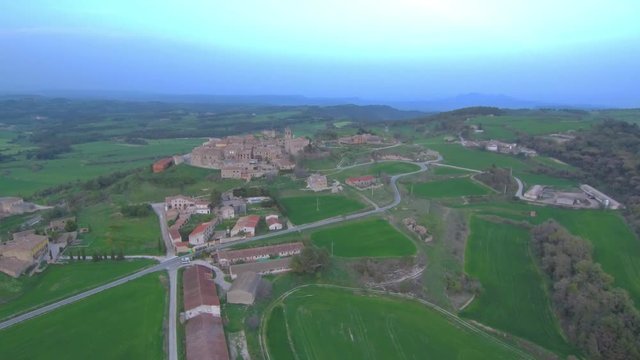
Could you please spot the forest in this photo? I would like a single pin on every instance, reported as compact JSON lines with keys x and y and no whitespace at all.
{"x":596,"y":316}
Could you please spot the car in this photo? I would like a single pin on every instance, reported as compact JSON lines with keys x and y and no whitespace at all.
{"x":185,"y":260}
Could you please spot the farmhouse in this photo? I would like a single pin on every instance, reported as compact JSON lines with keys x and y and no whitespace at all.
{"x":227,"y":212}
{"x":21,"y":253}
{"x":273,"y":222}
{"x":360,"y":139}
{"x":317,"y":182}
{"x":244,"y":288}
{"x":175,"y":235}
{"x":246,"y":225}
{"x":262,"y":268}
{"x":202,"y":233}
{"x":10,"y":204}
{"x":162,"y":164}
{"x":362,"y":181}
{"x":202,"y":207}
{"x":603,"y":199}
{"x":60,"y":224}
{"x":228,"y":257}
{"x":179,"y":202}
{"x":204,"y":330}
{"x":23,"y":234}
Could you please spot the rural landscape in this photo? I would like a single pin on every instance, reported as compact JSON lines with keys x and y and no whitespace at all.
{"x":319,"y":180}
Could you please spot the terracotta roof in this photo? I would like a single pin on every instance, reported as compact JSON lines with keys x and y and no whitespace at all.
{"x":27,"y":242}
{"x":261,"y":267}
{"x":175,"y":234}
{"x":233,"y":255}
{"x":200,"y":228}
{"x":199,"y":288}
{"x":361,"y":178}
{"x":271,"y":221}
{"x":205,"y":338}
{"x":248,"y":221}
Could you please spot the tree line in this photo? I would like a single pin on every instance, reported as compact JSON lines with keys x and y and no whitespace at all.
{"x":597,"y":317}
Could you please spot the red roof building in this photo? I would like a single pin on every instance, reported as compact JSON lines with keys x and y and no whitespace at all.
{"x":259,"y":253}
{"x":247,"y":225}
{"x":362,"y":181}
{"x":199,"y":288}
{"x":162,"y":164}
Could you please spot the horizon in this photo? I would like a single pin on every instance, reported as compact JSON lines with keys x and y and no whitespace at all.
{"x":387,"y":52}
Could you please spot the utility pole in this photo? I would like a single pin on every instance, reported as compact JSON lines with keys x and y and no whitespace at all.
{"x":317,"y":204}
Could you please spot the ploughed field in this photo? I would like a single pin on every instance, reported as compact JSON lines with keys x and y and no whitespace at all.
{"x":371,"y":237}
{"x":513,"y":297}
{"x":330,"y":323}
{"x":309,"y":208}
{"x":125,"y":322}
{"x":59,"y":282}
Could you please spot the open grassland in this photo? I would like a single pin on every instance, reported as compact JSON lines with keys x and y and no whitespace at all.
{"x":447,"y":171}
{"x":110,"y":230}
{"x":372,"y":238}
{"x":125,"y":322}
{"x":377,"y":169}
{"x":507,"y":127}
{"x":456,"y":154}
{"x":513,"y":297}
{"x":310,"y":208}
{"x":615,"y":246}
{"x":455,"y":187}
{"x":24,"y":177}
{"x":58,"y":282}
{"x":330,"y":323}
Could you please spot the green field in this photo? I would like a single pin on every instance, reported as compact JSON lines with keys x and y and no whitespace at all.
{"x":110,"y":230}
{"x":310,"y":208}
{"x":58,"y":282}
{"x":375,"y":238}
{"x":389,"y":168}
{"x":615,"y":246}
{"x":507,"y":127}
{"x":447,"y":171}
{"x":513,"y":297}
{"x":125,"y":322}
{"x":23,"y":177}
{"x":331,"y":323}
{"x":455,"y":187}
{"x":456,"y":154}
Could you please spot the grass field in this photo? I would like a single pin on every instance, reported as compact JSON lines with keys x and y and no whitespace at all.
{"x":58,"y":282}
{"x":111,"y":230}
{"x":447,"y":171}
{"x":615,"y":246}
{"x":329,"y":323}
{"x":125,"y":322}
{"x":310,"y":208}
{"x":389,"y":168}
{"x":455,"y":154}
{"x":374,"y":238}
{"x":513,"y":297}
{"x":507,"y":127}
{"x":449,"y":188}
{"x":23,"y":177}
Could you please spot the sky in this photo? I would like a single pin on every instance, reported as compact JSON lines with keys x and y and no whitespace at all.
{"x":560,"y":51}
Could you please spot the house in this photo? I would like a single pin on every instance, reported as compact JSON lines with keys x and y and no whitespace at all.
{"x":162,"y":164}
{"x":362,"y":181}
{"x":534,"y":193}
{"x":202,"y":207}
{"x":202,"y":233}
{"x":263,"y":268}
{"x":10,"y":204}
{"x":228,"y":257}
{"x":246,"y":225}
{"x":182,"y":247}
{"x":239,"y":206}
{"x":257,"y":199}
{"x":204,"y":329}
{"x":19,"y":254}
{"x":317,"y":182}
{"x":244,"y":288}
{"x":273,"y":222}
{"x":492,"y":146}
{"x":179,"y":202}
{"x":227,"y":212}
{"x":23,"y":234}
{"x":60,"y":224}
{"x":175,"y":236}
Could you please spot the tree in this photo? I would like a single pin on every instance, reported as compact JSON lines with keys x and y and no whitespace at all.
{"x":310,"y":260}
{"x":215,"y":198}
{"x":70,"y":226}
{"x":83,"y":254}
{"x":121,"y":254}
{"x":113,"y":255}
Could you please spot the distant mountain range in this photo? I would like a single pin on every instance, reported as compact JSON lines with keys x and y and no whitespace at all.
{"x":443,"y":104}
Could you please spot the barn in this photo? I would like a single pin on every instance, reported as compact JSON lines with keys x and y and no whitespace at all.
{"x":244,"y":288}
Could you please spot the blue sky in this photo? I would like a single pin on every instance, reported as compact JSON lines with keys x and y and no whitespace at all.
{"x":568,"y":51}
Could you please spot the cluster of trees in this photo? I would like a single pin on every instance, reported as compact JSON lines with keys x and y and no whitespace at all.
{"x":497,"y":178}
{"x":597,"y":317}
{"x":607,"y":154}
{"x":251,"y":191}
{"x":136,"y":210}
{"x":311,"y":260}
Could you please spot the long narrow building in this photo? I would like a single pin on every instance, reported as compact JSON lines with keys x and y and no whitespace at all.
{"x":204,"y":329}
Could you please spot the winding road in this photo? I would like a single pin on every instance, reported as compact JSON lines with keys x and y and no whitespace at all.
{"x":171,"y":263}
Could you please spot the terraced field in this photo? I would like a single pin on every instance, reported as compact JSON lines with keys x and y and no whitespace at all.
{"x":330,"y":323}
{"x":513,"y":297}
{"x":372,"y":237}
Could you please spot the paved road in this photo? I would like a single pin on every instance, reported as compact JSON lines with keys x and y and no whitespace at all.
{"x":159,"y":209}
{"x":520,"y":189}
{"x":171,"y":263}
